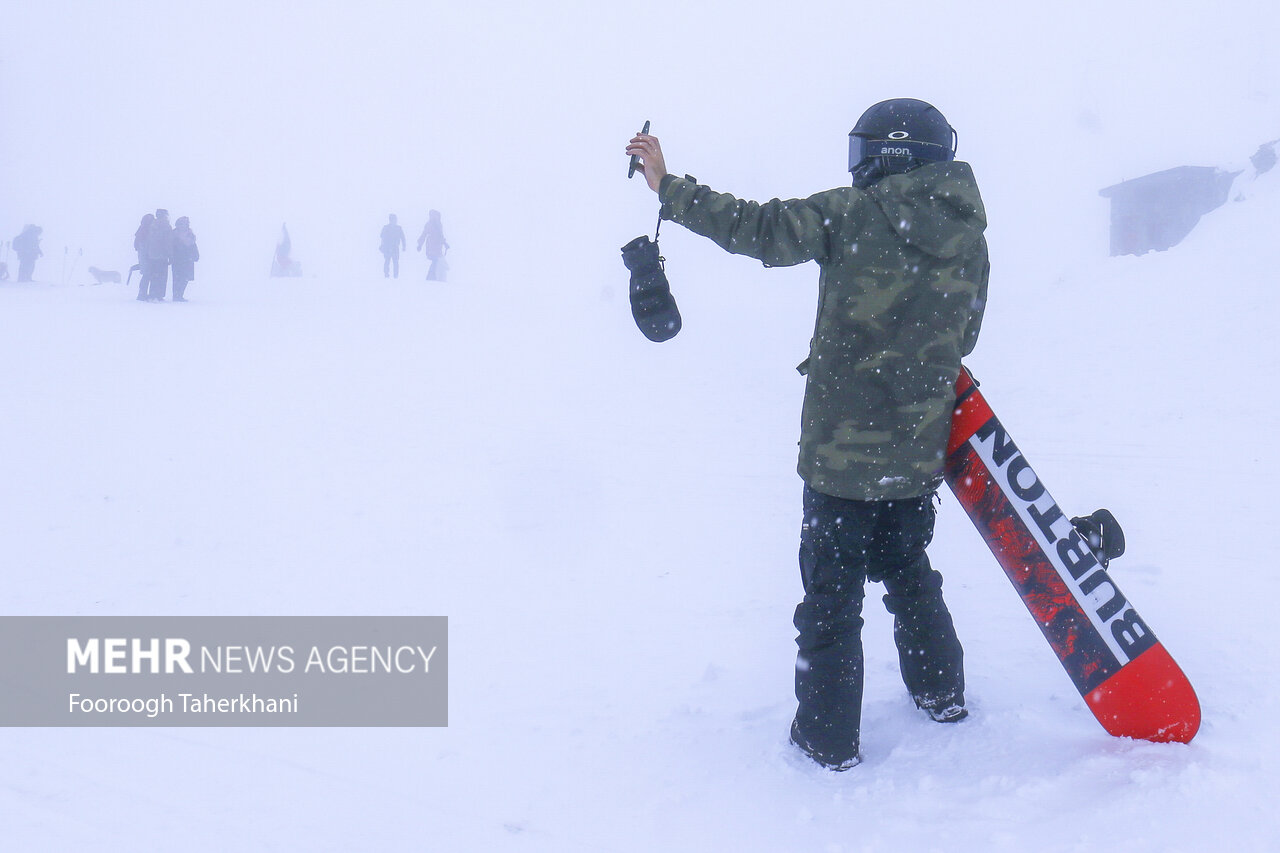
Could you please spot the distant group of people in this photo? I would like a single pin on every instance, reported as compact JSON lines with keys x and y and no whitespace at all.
{"x":431,"y":241}
{"x":160,"y":247}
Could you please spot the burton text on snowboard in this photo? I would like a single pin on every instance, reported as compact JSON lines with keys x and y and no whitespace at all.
{"x":1126,"y":677}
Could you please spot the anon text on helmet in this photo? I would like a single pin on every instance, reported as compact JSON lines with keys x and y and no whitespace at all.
{"x":902,"y":127}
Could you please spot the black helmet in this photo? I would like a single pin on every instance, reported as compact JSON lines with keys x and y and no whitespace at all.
{"x":901,"y":130}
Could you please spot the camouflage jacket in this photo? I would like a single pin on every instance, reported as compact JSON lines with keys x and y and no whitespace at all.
{"x":902,"y":287}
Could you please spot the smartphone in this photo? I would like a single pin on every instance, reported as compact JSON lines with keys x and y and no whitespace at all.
{"x":635,"y":161}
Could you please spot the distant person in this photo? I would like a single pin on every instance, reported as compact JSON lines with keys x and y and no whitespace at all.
{"x":159,"y":249}
{"x":282,"y":264}
{"x":432,"y":241}
{"x":27,"y":247}
{"x":140,"y":246}
{"x":392,"y":242}
{"x":185,"y":253}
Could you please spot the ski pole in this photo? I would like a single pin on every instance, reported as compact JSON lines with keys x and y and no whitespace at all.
{"x":74,"y":263}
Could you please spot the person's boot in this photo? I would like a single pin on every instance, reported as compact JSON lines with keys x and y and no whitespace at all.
{"x":946,"y":711}
{"x":834,"y":764}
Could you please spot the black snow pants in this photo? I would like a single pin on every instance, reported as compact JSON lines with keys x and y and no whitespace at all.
{"x":843,"y":544}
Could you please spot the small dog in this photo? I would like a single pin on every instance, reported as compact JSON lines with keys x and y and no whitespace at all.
{"x":104,"y":276}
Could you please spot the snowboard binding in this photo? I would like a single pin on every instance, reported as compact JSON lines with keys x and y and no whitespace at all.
{"x":1102,"y":533}
{"x":652,"y":305}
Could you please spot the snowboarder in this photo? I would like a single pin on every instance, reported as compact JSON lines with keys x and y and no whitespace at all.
{"x":903,"y":284}
{"x":27,"y":247}
{"x":392,"y":242}
{"x":185,"y":255}
{"x":433,"y":243}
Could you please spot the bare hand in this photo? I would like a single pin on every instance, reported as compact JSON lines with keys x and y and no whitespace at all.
{"x":652,"y":165}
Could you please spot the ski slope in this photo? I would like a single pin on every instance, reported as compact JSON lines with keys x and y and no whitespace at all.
{"x":611,"y":525}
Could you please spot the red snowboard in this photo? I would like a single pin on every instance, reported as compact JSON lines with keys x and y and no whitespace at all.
{"x":1126,"y":677}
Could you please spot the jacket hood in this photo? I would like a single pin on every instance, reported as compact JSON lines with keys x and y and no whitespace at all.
{"x":936,"y":208}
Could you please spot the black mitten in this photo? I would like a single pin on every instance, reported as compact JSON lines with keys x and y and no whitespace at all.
{"x":652,"y":305}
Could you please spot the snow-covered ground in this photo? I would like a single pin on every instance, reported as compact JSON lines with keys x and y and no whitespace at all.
{"x":611,"y":525}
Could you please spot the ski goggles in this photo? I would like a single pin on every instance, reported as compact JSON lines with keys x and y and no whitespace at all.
{"x":862,"y":147}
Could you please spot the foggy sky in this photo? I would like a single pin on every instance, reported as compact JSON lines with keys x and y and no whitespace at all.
{"x":330,"y":115}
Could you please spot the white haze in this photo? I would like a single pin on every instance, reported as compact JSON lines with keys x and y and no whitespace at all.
{"x":509,"y":118}
{"x":611,"y":525}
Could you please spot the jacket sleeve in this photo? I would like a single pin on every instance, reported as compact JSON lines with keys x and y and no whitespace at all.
{"x":974,"y":326}
{"x":777,"y":233}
